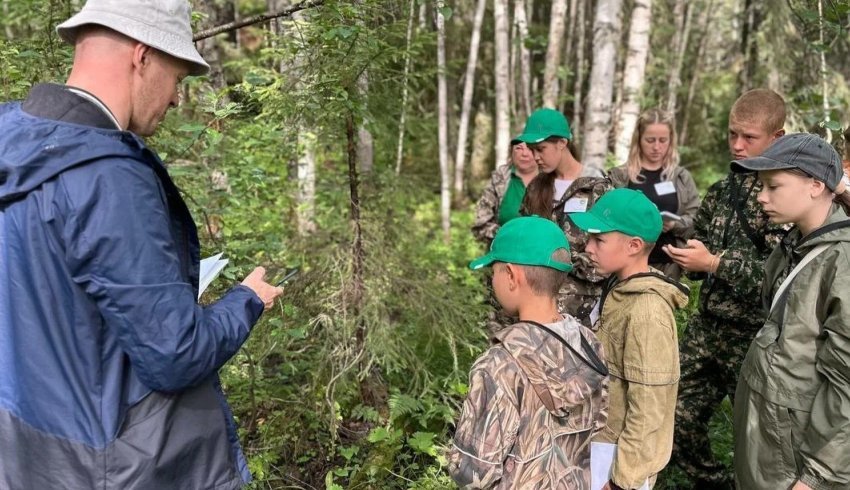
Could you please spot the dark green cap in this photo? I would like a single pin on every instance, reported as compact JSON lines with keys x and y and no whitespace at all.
{"x":528,"y":240}
{"x":625,"y":210}
{"x":542,"y":124}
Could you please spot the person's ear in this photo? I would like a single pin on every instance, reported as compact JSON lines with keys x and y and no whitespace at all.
{"x":635,"y":245}
{"x":514,"y":273}
{"x":142,"y":56}
{"x":779,"y":134}
{"x":818,"y":188}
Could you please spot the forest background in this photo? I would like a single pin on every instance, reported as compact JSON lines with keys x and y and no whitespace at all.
{"x":353,"y":137}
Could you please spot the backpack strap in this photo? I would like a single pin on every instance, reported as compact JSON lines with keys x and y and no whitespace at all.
{"x":590,"y":358}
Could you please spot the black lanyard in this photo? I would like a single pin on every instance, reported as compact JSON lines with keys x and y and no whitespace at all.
{"x":592,"y":359}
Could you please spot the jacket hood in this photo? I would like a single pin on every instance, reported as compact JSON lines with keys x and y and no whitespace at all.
{"x":673,"y":292}
{"x":835,"y":229}
{"x":34,"y":149}
{"x":558,"y":376}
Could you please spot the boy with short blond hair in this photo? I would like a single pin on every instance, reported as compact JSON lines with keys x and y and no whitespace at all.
{"x":637,"y":329}
{"x":732,"y":239}
{"x":539,"y":394}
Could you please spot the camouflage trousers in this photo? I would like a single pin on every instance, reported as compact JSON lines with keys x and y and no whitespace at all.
{"x":711,"y":353}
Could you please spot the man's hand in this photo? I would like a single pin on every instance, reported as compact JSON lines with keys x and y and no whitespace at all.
{"x":800,"y":486}
{"x":256,"y":282}
{"x":667,"y":225}
{"x":695,"y":258}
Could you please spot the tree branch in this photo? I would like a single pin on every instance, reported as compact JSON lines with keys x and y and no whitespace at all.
{"x":231,"y":26}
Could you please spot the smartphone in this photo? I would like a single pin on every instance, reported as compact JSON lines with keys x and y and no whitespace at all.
{"x":290,"y":273}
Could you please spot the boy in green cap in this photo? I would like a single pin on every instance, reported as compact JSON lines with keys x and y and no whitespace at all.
{"x":539,"y":394}
{"x":635,"y":323}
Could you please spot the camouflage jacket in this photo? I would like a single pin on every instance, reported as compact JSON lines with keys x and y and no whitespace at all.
{"x":532,"y":409}
{"x":733,"y":292}
{"x":486,"y":222}
{"x":583,"y":280}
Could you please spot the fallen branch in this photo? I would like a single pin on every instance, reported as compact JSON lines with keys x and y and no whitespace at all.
{"x":232,"y":26}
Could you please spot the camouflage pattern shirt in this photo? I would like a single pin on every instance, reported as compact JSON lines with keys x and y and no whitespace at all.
{"x":486,"y":222}
{"x":584,"y":283}
{"x":731,"y":221}
{"x":533,"y":407}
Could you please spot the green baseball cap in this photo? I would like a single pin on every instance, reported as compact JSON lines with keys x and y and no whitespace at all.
{"x":542,"y":124}
{"x":625,"y":210}
{"x":528,"y":240}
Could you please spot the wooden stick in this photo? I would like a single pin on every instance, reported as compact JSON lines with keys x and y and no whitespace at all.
{"x":256,"y":19}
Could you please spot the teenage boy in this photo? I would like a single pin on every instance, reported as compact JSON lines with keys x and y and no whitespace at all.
{"x":638,"y":332}
{"x":792,"y":404}
{"x":733,"y":237}
{"x":539,"y":394}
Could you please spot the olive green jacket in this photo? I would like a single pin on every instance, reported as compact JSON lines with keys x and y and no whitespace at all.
{"x":792,"y":408}
{"x":638,"y":332}
{"x":686,"y":192}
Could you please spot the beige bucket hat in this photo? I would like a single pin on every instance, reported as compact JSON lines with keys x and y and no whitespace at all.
{"x":160,"y":24}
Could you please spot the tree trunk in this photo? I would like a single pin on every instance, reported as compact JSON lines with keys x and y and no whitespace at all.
{"x":524,"y":85}
{"x":466,"y":104}
{"x":443,"y":124}
{"x":7,"y":27}
{"x":823,"y":73}
{"x":633,"y":76}
{"x":705,"y":26}
{"x":580,"y":67}
{"x":481,"y":161}
{"x":306,"y":175}
{"x":749,"y":43}
{"x":503,"y":118}
{"x":557,"y":24}
{"x":405,"y":89}
{"x":216,"y":13}
{"x":683,"y":14}
{"x":365,"y":142}
{"x":606,"y":34}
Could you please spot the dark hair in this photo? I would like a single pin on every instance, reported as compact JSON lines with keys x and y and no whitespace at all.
{"x":546,"y":280}
{"x":541,"y":191}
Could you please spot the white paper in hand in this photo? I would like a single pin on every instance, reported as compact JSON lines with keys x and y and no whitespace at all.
{"x":601,"y":460}
{"x":211,"y":267}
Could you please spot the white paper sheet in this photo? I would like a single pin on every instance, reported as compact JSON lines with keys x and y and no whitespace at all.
{"x":601,"y":459}
{"x":211,"y":267}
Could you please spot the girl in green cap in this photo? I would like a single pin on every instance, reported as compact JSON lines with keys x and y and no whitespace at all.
{"x":560,"y":189}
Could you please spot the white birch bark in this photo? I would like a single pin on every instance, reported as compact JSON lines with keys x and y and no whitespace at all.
{"x":524,"y":88}
{"x":557,"y":24}
{"x":365,"y":142}
{"x":633,"y":76}
{"x":503,"y":118}
{"x":466,"y":104}
{"x":443,"y":123}
{"x":405,"y":89}
{"x":581,"y":23}
{"x":823,"y":73}
{"x":306,"y":175}
{"x":683,"y":14}
{"x":705,"y":26}
{"x":606,"y":33}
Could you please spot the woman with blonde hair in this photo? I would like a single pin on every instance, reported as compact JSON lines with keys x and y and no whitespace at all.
{"x":653,"y":168}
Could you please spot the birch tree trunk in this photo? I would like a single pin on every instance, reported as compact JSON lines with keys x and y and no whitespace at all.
{"x":823,"y":73}
{"x":557,"y":24}
{"x":466,"y":104}
{"x":306,"y":175}
{"x":606,"y":33}
{"x":481,"y":160}
{"x":576,"y":123}
{"x":524,"y":91}
{"x":365,"y":142}
{"x":749,"y":43}
{"x":683,"y":14}
{"x":705,"y":25}
{"x":633,"y":76}
{"x":443,"y":124}
{"x":405,"y":88}
{"x":502,"y":77}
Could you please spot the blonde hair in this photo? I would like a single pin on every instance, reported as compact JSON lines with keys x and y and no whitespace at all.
{"x":671,"y":159}
{"x":762,"y":107}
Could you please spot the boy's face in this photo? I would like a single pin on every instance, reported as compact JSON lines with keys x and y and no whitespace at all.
{"x":748,"y":139}
{"x":787,"y":197}
{"x":504,"y":287}
{"x":609,"y":252}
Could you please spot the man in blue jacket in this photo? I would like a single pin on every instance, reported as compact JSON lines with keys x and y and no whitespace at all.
{"x":108,"y":366}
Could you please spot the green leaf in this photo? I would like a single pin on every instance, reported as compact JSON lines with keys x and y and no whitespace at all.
{"x":378,"y":434}
{"x":423,"y":442}
{"x":349,"y":452}
{"x":832,"y":125}
{"x":446,"y":12}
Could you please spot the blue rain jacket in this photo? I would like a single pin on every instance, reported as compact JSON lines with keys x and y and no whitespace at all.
{"x":108,"y":366}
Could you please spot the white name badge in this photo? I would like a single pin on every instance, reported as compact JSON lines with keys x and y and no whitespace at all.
{"x":594,"y":315}
{"x":575,"y":205}
{"x":664,"y":188}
